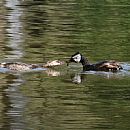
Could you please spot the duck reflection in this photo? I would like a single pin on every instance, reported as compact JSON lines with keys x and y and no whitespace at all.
{"x":78,"y":78}
{"x":52,"y":72}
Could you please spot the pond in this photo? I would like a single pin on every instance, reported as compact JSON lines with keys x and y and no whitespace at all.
{"x":37,"y":31}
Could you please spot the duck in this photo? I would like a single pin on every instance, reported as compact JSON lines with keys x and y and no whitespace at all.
{"x":106,"y":65}
{"x":18,"y":66}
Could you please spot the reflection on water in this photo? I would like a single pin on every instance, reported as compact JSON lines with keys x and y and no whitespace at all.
{"x":81,"y":77}
{"x":14,"y":29}
{"x":65,"y":97}
{"x":57,"y":103}
{"x":51,"y":72}
{"x":12,"y":102}
{"x":17,"y":103}
{"x":13,"y":50}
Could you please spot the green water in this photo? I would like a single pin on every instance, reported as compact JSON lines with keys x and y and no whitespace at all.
{"x":63,"y":98}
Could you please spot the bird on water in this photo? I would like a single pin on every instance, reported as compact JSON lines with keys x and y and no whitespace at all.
{"x":107,"y":65}
{"x":18,"y":66}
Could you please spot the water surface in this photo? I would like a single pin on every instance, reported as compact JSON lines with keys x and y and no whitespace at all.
{"x":64,"y":97}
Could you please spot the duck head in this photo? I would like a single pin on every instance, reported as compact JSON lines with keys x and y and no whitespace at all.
{"x":75,"y":58}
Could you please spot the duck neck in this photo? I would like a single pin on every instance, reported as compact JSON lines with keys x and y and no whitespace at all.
{"x":84,"y":61}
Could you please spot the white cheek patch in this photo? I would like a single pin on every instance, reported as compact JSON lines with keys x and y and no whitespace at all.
{"x":77,"y":58}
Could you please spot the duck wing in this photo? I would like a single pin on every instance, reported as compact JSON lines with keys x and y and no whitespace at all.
{"x":108,"y":65}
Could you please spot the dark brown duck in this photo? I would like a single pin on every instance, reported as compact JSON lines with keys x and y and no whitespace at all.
{"x":107,"y":65}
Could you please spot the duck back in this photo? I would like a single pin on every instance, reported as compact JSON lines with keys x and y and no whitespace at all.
{"x":108,"y":66}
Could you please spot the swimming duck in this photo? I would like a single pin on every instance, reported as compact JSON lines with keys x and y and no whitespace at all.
{"x":17,"y":66}
{"x":107,"y":65}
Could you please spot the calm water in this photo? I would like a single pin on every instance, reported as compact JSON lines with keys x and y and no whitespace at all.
{"x":35,"y":31}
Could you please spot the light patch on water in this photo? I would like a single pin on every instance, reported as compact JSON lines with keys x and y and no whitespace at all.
{"x":15,"y":40}
{"x":3,"y":70}
{"x":126,"y":66}
{"x":14,"y":29}
{"x":18,"y":102}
